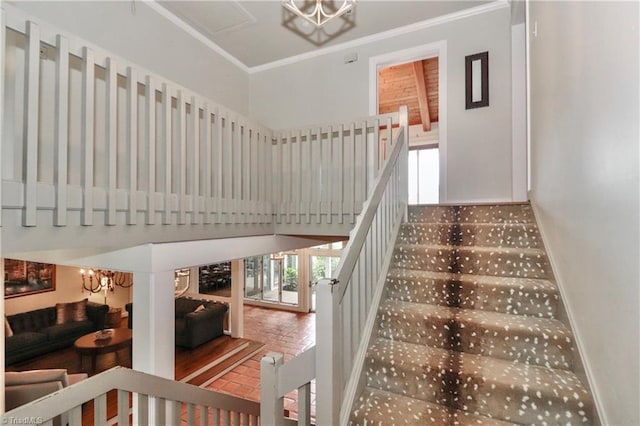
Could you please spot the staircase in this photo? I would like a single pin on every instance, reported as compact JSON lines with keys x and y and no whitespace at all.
{"x":468,"y":332}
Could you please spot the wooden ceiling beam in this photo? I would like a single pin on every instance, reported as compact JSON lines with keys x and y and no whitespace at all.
{"x":421,"y":86}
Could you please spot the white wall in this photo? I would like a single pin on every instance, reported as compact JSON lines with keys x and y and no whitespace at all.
{"x":324,"y":89}
{"x":584,"y":137}
{"x":149,"y":40}
{"x":68,"y":285}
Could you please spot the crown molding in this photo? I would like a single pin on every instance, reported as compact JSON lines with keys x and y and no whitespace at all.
{"x":467,"y":13}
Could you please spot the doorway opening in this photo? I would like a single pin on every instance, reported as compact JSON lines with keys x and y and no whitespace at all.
{"x":416,"y":77}
{"x":423,"y":176}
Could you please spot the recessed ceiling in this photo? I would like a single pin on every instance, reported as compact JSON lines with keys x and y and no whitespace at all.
{"x":256,"y":33}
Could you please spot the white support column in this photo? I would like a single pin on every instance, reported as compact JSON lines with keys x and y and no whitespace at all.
{"x":153,"y":315}
{"x":236,"y":314}
{"x":153,"y":325}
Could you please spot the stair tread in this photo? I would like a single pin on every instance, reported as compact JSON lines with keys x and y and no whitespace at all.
{"x":480,"y":382}
{"x":376,"y":406}
{"x":511,"y":295}
{"x":481,"y":249}
{"x":489,"y":319}
{"x":496,"y":261}
{"x":520,"y":283}
{"x":527,"y":339}
{"x":471,"y":234}
{"x":501,"y":213}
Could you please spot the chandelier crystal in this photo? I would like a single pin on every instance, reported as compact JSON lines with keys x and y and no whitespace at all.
{"x":319,"y":14}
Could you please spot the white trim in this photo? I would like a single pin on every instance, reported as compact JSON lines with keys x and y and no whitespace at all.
{"x":431,"y":50}
{"x":178,"y":22}
{"x":488,"y":7}
{"x":480,"y":201}
{"x":571,"y":318}
{"x":527,"y":12}
{"x":518,"y":113}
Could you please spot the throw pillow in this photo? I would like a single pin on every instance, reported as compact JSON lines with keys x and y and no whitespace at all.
{"x":71,"y":312}
{"x":80,"y":310}
{"x":64,"y":313}
{"x":8,"y":332}
{"x":199,"y":308}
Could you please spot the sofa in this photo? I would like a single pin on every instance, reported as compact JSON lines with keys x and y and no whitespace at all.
{"x":40,"y":331}
{"x":23,"y":387}
{"x":197,"y":321}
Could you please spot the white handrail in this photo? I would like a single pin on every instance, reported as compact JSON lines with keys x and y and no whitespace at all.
{"x":360,"y":231}
{"x":346,"y":305}
{"x":70,"y":399}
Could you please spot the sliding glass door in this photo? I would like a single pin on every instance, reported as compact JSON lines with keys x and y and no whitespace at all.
{"x":272,"y":278}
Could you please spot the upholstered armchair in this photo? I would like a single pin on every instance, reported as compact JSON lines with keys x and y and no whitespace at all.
{"x":22,"y":387}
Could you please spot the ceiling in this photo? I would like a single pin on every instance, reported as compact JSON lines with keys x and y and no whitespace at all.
{"x":262,"y":32}
{"x":414,"y":85}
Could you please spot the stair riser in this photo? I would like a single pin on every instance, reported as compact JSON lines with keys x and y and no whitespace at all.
{"x":530,"y":347}
{"x":469,"y":295}
{"x":470,"y":261}
{"x":516,"y":213}
{"x":474,"y":394}
{"x":486,"y":235}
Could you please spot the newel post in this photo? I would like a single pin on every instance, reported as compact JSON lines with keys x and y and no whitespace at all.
{"x":328,"y":353}
{"x":271,"y":403}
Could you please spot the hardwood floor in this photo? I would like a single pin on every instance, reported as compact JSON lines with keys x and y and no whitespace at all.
{"x":218,"y":357}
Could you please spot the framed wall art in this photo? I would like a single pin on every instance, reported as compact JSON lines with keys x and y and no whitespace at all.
{"x":22,"y":278}
{"x":476,"y":70}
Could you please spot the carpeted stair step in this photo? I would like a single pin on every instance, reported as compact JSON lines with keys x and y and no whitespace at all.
{"x":504,"y":213}
{"x":506,"y":262}
{"x":538,"y":341}
{"x":515,"y":235}
{"x":490,"y":387}
{"x":377,"y":407}
{"x":517,"y":296}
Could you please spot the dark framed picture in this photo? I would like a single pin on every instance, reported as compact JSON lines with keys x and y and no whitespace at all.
{"x":22,"y":278}
{"x":476,"y":70}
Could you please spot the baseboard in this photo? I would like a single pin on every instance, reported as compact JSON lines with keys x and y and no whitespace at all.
{"x":583,"y":370}
{"x":482,"y":201}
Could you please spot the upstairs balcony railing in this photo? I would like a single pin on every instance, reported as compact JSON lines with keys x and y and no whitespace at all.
{"x":92,"y":140}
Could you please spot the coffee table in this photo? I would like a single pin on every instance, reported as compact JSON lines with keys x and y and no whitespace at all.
{"x":88,"y":345}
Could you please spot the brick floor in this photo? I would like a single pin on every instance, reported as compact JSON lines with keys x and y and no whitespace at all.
{"x":280,"y":331}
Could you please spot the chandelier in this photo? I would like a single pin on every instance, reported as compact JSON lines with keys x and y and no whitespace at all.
{"x":319,"y":15}
{"x":97,"y":280}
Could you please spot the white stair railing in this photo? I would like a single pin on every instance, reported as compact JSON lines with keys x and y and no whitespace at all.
{"x":322,"y":174}
{"x":152,"y":395}
{"x":347,"y":304}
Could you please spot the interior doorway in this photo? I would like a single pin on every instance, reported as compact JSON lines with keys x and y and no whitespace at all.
{"x":416,"y":78}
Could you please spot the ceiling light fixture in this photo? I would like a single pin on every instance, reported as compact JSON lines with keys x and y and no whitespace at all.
{"x":318,"y":15}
